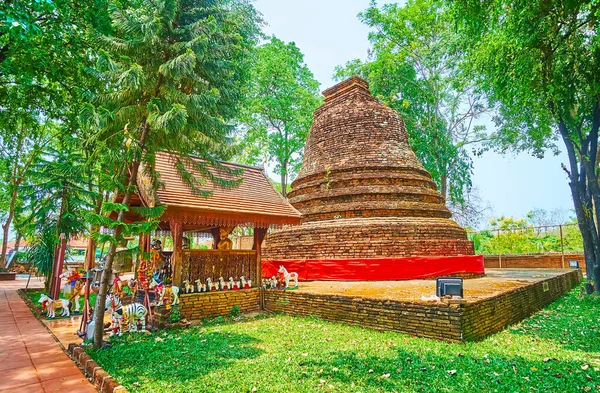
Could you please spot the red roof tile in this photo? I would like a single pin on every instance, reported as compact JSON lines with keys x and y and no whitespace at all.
{"x":254,"y":201}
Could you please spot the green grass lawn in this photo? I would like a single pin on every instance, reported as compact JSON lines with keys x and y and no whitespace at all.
{"x":557,"y":350}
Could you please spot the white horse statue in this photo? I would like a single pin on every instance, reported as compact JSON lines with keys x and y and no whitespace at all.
{"x":51,"y":304}
{"x":188,"y":288}
{"x":161,"y":290}
{"x":288,"y":277}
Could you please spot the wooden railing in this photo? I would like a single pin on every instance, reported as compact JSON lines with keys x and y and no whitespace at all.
{"x":203,"y":264}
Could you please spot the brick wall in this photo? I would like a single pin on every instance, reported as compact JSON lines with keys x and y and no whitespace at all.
{"x":492,"y":315}
{"x":450,"y":322}
{"x":197,"y":306}
{"x":539,"y":261}
{"x":441,"y":321}
{"x":368,"y":238}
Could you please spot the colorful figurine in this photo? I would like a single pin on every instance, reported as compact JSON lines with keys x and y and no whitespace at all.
{"x":51,"y":305}
{"x":288,"y":276}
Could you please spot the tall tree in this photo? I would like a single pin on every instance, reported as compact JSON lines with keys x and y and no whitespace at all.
{"x":175,"y":70}
{"x":277,"y":117}
{"x":539,"y":62}
{"x":413,"y":67}
{"x":44,"y":51}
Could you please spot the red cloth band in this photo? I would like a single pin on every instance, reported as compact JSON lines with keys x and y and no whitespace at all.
{"x":375,"y":269}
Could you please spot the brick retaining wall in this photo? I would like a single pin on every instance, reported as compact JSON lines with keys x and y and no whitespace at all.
{"x":489,"y":316}
{"x":443,"y":321}
{"x":197,"y":306}
{"x":532,"y":261}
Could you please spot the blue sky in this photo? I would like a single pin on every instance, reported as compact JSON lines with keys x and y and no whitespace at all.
{"x":329,"y":33}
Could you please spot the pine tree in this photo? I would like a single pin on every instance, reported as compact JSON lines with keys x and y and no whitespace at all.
{"x":174,"y":71}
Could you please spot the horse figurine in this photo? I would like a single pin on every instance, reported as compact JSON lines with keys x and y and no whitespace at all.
{"x":242,"y":282}
{"x":76,"y":293}
{"x":209,"y":285}
{"x":133,"y":313}
{"x":273,"y":282}
{"x":161,"y":290}
{"x":51,"y":305}
{"x":187,"y":287}
{"x":222,"y":286}
{"x":288,"y":277}
{"x":121,"y":287}
{"x":199,"y":285}
{"x":230,"y":283}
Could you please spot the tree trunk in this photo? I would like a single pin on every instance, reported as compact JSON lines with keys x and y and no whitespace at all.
{"x":283,"y":183}
{"x":6,"y":226}
{"x":585,"y":191}
{"x":16,"y":250}
{"x":444,"y":187}
{"x":99,"y":308}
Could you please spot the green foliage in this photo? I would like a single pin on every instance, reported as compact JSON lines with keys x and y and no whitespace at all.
{"x":516,"y":236}
{"x":41,"y":251}
{"x":538,"y":61}
{"x":415,"y":69}
{"x":277,"y":116}
{"x":235,"y":311}
{"x":282,"y":353}
{"x":175,"y":315}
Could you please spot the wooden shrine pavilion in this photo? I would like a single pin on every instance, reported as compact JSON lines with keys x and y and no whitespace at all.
{"x":254,"y":203}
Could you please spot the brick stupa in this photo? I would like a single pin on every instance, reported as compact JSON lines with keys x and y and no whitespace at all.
{"x":361,"y":189}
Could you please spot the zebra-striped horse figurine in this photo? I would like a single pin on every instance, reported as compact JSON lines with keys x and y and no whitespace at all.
{"x":133,"y":313}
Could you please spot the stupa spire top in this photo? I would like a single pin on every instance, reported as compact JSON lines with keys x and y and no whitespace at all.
{"x":346,"y":87}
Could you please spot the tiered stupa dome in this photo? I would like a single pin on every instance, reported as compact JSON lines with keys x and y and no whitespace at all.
{"x":361,"y":189}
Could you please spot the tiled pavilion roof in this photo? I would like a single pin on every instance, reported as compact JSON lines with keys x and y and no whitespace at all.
{"x":255,"y":202}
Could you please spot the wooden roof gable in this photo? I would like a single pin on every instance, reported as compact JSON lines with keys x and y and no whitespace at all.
{"x":255,"y":202}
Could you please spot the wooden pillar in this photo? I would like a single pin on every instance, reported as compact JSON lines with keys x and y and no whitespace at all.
{"x":562,"y":248}
{"x":259,"y":236}
{"x":177,"y":233}
{"x":59,"y":260}
{"x":216,"y":237}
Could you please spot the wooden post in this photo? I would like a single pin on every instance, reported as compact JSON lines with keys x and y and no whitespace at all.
{"x":259,"y":236}
{"x":177,"y":233}
{"x":499,"y":254}
{"x":562,"y":247}
{"x":90,"y":257}
{"x":59,"y":260}
{"x":216,"y":237}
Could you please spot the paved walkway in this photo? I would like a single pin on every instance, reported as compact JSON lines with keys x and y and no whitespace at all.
{"x":30,"y":359}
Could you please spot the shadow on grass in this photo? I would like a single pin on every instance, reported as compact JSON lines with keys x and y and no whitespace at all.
{"x":173,"y":358}
{"x":412,"y":371}
{"x":571,"y":322}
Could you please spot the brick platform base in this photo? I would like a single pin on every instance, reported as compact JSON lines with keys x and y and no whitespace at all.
{"x":197,"y":306}
{"x":458,"y":321}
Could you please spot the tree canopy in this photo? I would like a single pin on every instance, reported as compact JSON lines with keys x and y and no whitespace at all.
{"x":282,"y":96}
{"x":414,"y":68}
{"x":538,"y":64}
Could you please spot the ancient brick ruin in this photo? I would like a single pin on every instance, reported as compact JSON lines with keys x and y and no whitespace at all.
{"x":362,"y":191}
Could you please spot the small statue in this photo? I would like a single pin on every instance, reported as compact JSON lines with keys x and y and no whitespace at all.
{"x":51,"y":305}
{"x":199,"y":285}
{"x":221,"y":284}
{"x":187,"y":287}
{"x":208,"y":284}
{"x":287,"y":277}
{"x":225,"y":243}
{"x":230,"y":283}
{"x":237,"y":285}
